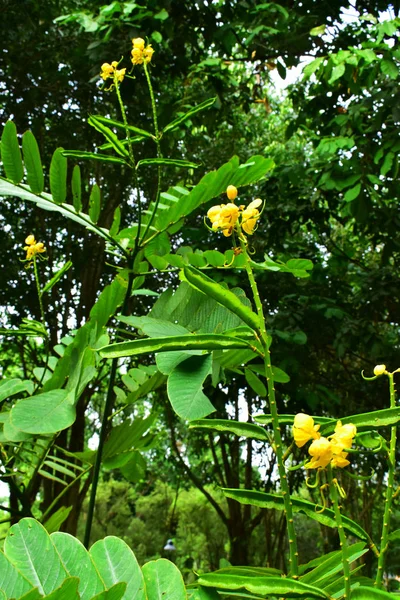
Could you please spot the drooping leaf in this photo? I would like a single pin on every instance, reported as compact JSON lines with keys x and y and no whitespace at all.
{"x":95,"y":203}
{"x":255,"y":383}
{"x":163,"y":581}
{"x":81,"y":154}
{"x":11,"y":153}
{"x":33,"y":163}
{"x":76,"y":188}
{"x":58,"y":176}
{"x":25,"y":545}
{"x":45,"y":413}
{"x":120,"y":125}
{"x":109,"y":136}
{"x":116,"y":563}
{"x":190,"y":113}
{"x":185,"y":388}
{"x":54,"y":522}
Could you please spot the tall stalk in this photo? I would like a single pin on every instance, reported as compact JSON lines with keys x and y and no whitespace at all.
{"x":389,"y":490}
{"x":278,"y":447}
{"x":342,"y":536}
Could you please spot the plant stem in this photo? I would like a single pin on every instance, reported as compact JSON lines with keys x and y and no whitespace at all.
{"x":342,"y":535}
{"x":105,"y":424}
{"x":389,"y":491}
{"x":39,"y":291}
{"x":278,"y":447}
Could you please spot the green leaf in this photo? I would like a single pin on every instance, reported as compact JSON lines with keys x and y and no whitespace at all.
{"x":58,"y":176}
{"x":95,"y":203}
{"x":92,"y":156}
{"x":370,"y":593}
{"x":32,"y":595}
{"x":116,"y":592}
{"x":174,"y":162}
{"x":78,"y":563}
{"x":76,"y":188}
{"x":116,"y":563}
{"x":10,"y":387}
{"x":44,"y":413}
{"x":378,"y":418}
{"x":163,"y":581}
{"x":394,"y":536}
{"x":109,"y":136}
{"x":352,"y":193}
{"x":275,"y":586}
{"x":320,"y":30}
{"x":222,"y":295}
{"x":116,"y":221}
{"x":50,"y":284}
{"x":26,"y":544}
{"x":255,"y":383}
{"x":247,"y":430}
{"x":185,"y":388}
{"x":167,"y":344}
{"x":68,"y":590}
{"x":119,"y":125}
{"x":11,"y":581}
{"x":33,"y":163}
{"x":190,"y":113}
{"x":327,"y":517}
{"x":337,"y":72}
{"x":313,"y":66}
{"x":54,"y":522}
{"x":332,"y":564}
{"x":388,"y":67}
{"x":11,"y":153}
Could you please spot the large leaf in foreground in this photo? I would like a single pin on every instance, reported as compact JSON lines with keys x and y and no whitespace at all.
{"x":26,"y":545}
{"x":370,"y":593}
{"x":327,"y":517}
{"x":116,"y":563}
{"x":185,"y":387}
{"x":274,"y":586}
{"x":11,"y":581}
{"x":163,"y":581}
{"x":43,"y":414}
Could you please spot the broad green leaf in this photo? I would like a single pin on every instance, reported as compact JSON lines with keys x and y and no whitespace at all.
{"x":116,"y":592}
{"x":10,"y":433}
{"x":190,"y":113}
{"x":167,"y":361}
{"x":109,"y":136}
{"x":45,"y":201}
{"x":352,"y":193}
{"x":116,"y":563}
{"x":120,"y":125}
{"x":68,"y":590}
{"x":248,"y":430}
{"x":95,"y":203}
{"x":11,"y":581}
{"x":10,"y":387}
{"x":116,"y":221}
{"x":33,"y":163}
{"x":275,"y":586}
{"x":337,"y":72}
{"x":255,"y":383}
{"x":127,"y":436}
{"x":389,"y":67}
{"x":167,"y":344}
{"x":50,"y":284}
{"x":163,"y":581}
{"x":371,"y":593}
{"x":155,"y":327}
{"x":26,"y":544}
{"x":58,"y":176}
{"x":44,"y":413}
{"x":76,"y":188}
{"x":32,"y":595}
{"x":54,"y":522}
{"x":78,"y":563}
{"x":173,"y":162}
{"x":11,"y":153}
{"x":333,"y":564}
{"x":313,"y":66}
{"x":202,"y":593}
{"x":394,"y":536}
{"x":327,"y":517}
{"x":378,"y":418}
{"x":185,"y":388}
{"x":222,"y":295}
{"x":80,"y":154}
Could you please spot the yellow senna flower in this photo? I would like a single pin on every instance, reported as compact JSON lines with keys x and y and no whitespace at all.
{"x":231,"y":192}
{"x":343,"y":437}
{"x":250,"y":216}
{"x":321,"y":453}
{"x":108,"y":71}
{"x":33,"y":247}
{"x":140,"y":53}
{"x":223,"y":217}
{"x":340,"y":460}
{"x":304,"y":429}
{"x":380,"y":369}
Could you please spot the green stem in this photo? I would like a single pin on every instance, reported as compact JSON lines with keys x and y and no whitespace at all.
{"x":342,"y":535}
{"x":105,"y":424}
{"x":389,"y":491}
{"x":278,"y":447}
{"x":159,"y":154}
{"x":39,"y":291}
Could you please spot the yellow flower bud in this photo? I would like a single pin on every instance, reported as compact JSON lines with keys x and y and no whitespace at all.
{"x":380,"y":370}
{"x":30,"y":240}
{"x":138,"y":43}
{"x":231,"y":192}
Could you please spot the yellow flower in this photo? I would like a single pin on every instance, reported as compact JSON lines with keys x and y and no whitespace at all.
{"x":231,"y":192}
{"x":340,"y":460}
{"x":321,"y":452}
{"x":250,"y":215}
{"x":304,"y":429}
{"x":380,"y":369}
{"x":223,"y":217}
{"x":343,"y":437}
{"x":108,"y":71}
{"x":140,"y":53}
{"x":33,"y":247}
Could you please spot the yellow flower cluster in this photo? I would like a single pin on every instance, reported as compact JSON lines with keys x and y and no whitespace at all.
{"x":224,"y":217}
{"x":140,"y":52}
{"x":33,"y":247}
{"x":108,"y":70}
{"x":323,"y":451}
